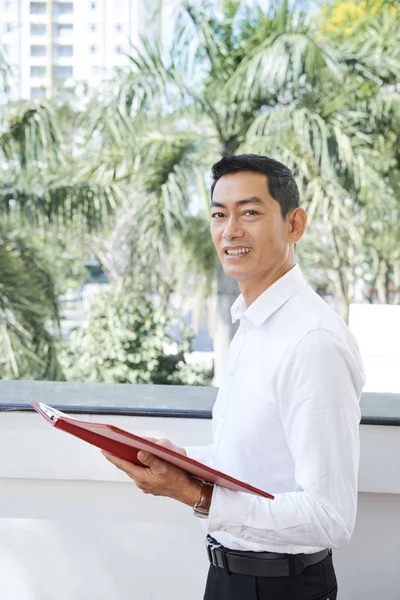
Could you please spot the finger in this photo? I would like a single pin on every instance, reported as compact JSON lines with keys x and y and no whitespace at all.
{"x":149,"y":460}
{"x":145,"y":457}
{"x":111,"y":457}
{"x":122,"y":464}
{"x":171,"y":446}
{"x":166,"y":443}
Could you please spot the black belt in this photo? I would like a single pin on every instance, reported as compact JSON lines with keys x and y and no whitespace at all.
{"x":261,"y":564}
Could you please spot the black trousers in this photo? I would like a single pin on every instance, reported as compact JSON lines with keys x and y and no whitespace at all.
{"x":317,"y":582}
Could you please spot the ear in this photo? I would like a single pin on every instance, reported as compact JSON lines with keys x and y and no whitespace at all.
{"x":297,"y":221}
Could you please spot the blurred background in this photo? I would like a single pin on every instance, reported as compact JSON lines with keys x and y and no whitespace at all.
{"x":111,"y":115}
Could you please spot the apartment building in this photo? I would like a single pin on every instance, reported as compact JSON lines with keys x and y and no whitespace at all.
{"x":51,"y":45}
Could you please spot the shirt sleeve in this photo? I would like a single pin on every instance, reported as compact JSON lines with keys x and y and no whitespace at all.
{"x":318,"y":391}
{"x":202,"y":454}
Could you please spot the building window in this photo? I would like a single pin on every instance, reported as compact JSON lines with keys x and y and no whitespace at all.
{"x":38,"y":29}
{"x":65,"y":8}
{"x":92,"y":49}
{"x":63,"y":30}
{"x":65,"y":51}
{"x":63,"y":72}
{"x":7,"y":4}
{"x":37,"y":71}
{"x":118,"y":50}
{"x":93,"y":28}
{"x":38,"y":93}
{"x":65,"y":94}
{"x":93,"y":5}
{"x":38,"y":50}
{"x":38,"y":8}
{"x":8,"y":27}
{"x":118,"y":27}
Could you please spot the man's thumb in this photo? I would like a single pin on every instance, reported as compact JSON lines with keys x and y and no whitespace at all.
{"x":145,"y":457}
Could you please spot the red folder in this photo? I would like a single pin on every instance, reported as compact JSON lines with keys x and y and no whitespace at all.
{"x":126,"y":445}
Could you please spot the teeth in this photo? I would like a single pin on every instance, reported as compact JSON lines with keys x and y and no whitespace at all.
{"x":238,"y":251}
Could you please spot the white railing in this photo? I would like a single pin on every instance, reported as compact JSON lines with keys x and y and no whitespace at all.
{"x":72,"y":527}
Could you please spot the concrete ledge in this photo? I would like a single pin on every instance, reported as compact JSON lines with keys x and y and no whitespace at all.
{"x":154,"y":400}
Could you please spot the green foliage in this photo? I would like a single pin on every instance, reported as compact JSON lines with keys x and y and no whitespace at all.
{"x":64,"y":262}
{"x":344,"y":17}
{"x":28,"y":308}
{"x":44,"y":187}
{"x":269,"y":79}
{"x":125,"y":341}
{"x":46,"y":183}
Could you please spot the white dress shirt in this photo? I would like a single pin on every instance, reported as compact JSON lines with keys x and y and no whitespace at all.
{"x":286,"y":420}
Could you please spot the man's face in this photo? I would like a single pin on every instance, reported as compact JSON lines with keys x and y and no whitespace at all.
{"x":247,"y":228}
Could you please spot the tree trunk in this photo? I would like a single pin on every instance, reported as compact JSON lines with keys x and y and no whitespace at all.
{"x":344,"y":308}
{"x":339,"y":282}
{"x":396,"y":281}
{"x":343,"y":285}
{"x":382,"y":283}
{"x":227,"y":290}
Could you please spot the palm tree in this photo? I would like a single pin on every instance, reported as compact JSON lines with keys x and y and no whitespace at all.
{"x":377,"y":44}
{"x":41,"y":189}
{"x":28,"y":309}
{"x":234,"y":80}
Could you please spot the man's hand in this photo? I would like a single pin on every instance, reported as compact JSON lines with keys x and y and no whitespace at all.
{"x":158,"y":477}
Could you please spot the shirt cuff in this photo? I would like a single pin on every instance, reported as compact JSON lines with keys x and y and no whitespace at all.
{"x":221,"y":499}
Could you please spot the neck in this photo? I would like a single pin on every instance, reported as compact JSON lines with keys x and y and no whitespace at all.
{"x":252,"y":289}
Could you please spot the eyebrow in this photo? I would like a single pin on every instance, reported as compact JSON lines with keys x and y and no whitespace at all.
{"x":249,"y":200}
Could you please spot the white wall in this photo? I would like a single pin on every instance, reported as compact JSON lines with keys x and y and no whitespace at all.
{"x":74,"y":528}
{"x":380,"y":349}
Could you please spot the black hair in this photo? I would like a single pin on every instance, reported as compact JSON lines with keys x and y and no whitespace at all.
{"x":280,"y":179}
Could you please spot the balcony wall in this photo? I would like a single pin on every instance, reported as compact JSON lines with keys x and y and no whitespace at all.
{"x":72,"y":527}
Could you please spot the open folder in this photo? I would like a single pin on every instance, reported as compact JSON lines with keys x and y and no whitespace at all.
{"x":126,"y":445}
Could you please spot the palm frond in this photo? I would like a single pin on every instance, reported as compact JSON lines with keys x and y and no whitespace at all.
{"x":288,"y":56}
{"x":30,"y":135}
{"x":204,"y":29}
{"x":28,"y":308}
{"x":5,"y":71}
{"x":374,"y":50}
{"x":82,"y":205}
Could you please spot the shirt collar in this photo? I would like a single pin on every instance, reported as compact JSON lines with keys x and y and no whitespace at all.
{"x":271,"y":300}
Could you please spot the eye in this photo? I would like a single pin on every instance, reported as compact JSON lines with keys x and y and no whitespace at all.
{"x":217,"y":215}
{"x":251,"y":212}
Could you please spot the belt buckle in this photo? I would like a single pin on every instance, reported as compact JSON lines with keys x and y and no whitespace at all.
{"x":211,"y":554}
{"x":296,"y":565}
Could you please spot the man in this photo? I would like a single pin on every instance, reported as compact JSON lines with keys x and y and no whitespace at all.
{"x":287,"y":414}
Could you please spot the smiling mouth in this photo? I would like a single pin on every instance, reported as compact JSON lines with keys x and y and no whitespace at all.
{"x":237,"y":251}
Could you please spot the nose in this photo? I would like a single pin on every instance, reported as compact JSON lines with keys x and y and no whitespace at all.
{"x":232,"y":229}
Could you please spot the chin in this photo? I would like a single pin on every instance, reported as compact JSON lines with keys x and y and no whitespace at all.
{"x":237,"y":274}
